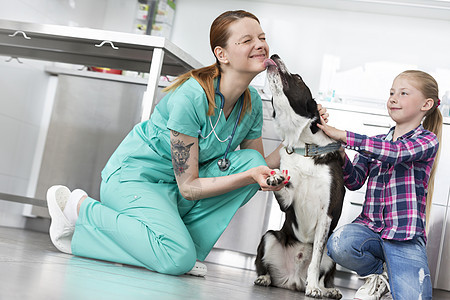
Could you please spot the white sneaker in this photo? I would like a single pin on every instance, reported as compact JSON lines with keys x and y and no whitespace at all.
{"x":374,"y":288}
{"x":61,"y":229}
{"x":199,"y":270}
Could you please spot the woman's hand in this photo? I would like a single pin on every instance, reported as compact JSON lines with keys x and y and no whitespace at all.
{"x":260,"y":174}
{"x":323,"y":112}
{"x":332,"y":132}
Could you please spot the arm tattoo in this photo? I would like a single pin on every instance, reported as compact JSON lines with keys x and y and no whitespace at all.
{"x":180,"y":155}
{"x":175,"y":133}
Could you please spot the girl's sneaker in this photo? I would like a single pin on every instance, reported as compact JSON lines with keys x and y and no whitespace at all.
{"x":375,"y":287}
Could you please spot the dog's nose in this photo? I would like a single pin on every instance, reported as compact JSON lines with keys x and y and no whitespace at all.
{"x":275,"y":56}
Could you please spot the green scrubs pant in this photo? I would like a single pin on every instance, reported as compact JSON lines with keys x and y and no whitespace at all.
{"x":151,"y":225}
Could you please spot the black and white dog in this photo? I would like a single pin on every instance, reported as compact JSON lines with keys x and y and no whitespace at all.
{"x":312,"y":201}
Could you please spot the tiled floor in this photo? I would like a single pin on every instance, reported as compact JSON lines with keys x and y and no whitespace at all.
{"x":31,"y":268}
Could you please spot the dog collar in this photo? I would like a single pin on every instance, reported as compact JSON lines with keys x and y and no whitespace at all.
{"x":313,"y":150}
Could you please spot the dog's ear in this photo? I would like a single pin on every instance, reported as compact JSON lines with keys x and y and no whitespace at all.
{"x":314,"y":128}
{"x":304,"y":103}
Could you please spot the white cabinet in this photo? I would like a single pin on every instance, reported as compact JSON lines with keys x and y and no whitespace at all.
{"x":438,"y":245}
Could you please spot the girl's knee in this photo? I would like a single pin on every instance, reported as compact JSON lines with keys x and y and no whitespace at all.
{"x":334,"y":244}
{"x":341,"y":245}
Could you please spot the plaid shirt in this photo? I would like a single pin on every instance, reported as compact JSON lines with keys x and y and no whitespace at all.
{"x":398,"y":174}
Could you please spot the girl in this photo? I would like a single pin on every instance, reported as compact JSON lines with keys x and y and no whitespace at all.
{"x":174,"y":183}
{"x":386,"y":242}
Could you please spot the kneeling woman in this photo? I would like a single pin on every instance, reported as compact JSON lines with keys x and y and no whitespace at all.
{"x":174,"y":183}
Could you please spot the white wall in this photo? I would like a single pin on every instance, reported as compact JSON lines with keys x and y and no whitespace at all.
{"x":303,"y":35}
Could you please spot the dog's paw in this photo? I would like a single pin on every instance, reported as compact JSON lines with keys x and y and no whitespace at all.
{"x":276,"y":178}
{"x":313,"y":292}
{"x":332,"y":293}
{"x":263,"y":280}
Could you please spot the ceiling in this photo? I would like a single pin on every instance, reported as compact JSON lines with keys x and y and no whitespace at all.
{"x":430,"y":9}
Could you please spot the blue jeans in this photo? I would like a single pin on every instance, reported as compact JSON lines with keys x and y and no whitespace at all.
{"x":356,"y":247}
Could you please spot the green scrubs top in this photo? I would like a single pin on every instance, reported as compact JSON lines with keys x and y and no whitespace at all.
{"x":144,"y":155}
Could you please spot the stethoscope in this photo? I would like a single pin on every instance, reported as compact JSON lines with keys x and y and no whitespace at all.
{"x":223,"y":163}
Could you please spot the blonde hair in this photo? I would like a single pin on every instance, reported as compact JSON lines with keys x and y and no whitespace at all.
{"x":433,"y":121}
{"x":218,"y":37}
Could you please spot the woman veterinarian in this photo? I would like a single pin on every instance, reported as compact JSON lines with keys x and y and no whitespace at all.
{"x":174,"y":183}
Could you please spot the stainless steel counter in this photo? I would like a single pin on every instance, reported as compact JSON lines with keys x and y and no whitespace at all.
{"x":82,"y":46}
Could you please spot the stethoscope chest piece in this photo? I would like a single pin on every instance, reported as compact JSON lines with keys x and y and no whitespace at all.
{"x":224,"y":164}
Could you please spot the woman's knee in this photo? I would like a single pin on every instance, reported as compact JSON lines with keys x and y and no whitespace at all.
{"x":180,"y":264}
{"x":240,"y":161}
{"x":175,"y":260}
{"x":250,"y":157}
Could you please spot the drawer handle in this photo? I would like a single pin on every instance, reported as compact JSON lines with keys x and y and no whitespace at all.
{"x":356,"y":203}
{"x":107,"y":42}
{"x":377,"y":125}
{"x":21,"y":32}
{"x":14,"y":57}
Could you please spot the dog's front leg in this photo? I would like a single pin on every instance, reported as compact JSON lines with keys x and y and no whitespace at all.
{"x":320,"y":239}
{"x":284,"y":198}
{"x":285,"y":195}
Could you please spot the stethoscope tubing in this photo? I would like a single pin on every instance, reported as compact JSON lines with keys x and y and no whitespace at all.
{"x":223,"y":163}
{"x":234,"y":129}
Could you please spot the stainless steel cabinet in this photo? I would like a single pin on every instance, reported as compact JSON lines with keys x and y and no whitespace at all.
{"x":90,"y":117}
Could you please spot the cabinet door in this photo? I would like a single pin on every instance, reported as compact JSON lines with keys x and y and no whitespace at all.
{"x":442,"y":179}
{"x":438,"y":245}
{"x":435,"y":234}
{"x":443,"y":275}
{"x":244,"y":232}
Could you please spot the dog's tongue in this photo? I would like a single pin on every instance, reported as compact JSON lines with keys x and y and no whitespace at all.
{"x":268,"y":62}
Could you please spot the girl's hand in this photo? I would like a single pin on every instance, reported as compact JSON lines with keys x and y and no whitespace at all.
{"x":323,"y":112}
{"x":260,"y":174}
{"x":334,"y":133}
